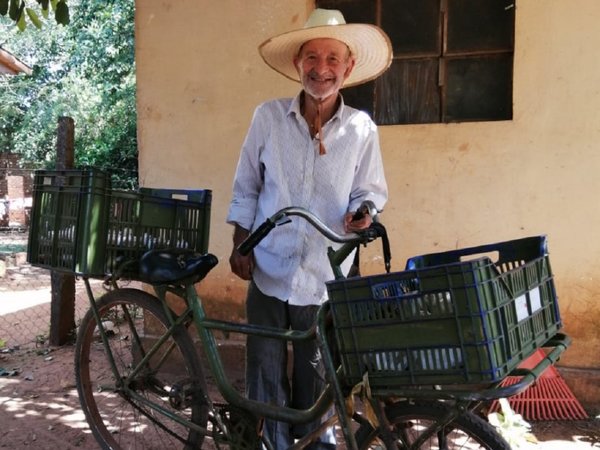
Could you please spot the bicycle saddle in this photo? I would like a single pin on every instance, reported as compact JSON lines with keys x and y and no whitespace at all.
{"x":165,"y":266}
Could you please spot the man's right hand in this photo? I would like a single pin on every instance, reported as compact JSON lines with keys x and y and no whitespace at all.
{"x":242,"y":266}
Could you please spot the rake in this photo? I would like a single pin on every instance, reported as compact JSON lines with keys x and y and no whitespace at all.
{"x":549,"y":398}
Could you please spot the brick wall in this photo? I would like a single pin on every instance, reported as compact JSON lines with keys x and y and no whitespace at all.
{"x":16,"y":185}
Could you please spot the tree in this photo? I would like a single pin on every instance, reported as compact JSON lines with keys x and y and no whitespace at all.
{"x":85,"y":71}
{"x":19,"y":12}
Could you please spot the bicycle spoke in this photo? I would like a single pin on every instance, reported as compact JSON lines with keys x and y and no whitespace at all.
{"x":415,"y":425}
{"x":160,"y":386}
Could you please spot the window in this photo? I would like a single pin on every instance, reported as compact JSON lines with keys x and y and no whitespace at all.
{"x":453,"y":60}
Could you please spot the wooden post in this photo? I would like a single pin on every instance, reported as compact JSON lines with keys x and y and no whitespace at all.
{"x":62,"y":304}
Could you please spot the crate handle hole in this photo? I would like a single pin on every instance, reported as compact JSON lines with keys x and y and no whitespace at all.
{"x":493,"y":255}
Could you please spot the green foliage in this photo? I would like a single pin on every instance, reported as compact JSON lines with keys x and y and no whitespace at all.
{"x":17,"y":11}
{"x":85,"y":71}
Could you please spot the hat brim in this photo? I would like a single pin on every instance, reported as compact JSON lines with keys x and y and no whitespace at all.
{"x":369,"y":45}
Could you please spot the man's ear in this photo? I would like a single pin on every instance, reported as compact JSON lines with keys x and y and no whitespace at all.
{"x":349,"y":68}
{"x":296,"y":61}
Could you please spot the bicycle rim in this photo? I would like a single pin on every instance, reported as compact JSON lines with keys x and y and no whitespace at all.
{"x":117,"y":410}
{"x":409,"y":422}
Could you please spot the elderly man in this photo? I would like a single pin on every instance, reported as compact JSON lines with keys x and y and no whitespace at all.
{"x":315,"y":152}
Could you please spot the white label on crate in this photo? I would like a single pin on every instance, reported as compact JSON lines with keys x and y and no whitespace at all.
{"x":521,"y":306}
{"x":535,"y":300}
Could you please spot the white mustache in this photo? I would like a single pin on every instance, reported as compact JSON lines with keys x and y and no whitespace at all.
{"x":315,"y":76}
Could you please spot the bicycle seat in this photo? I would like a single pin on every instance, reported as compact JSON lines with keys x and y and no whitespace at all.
{"x":166,"y":266}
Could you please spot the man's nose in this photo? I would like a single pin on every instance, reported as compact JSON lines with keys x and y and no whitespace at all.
{"x":321,"y":66}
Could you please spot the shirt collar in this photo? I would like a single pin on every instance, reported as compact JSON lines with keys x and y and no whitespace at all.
{"x":295,"y":107}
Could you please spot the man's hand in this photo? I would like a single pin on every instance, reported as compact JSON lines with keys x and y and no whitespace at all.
{"x":357,"y":221}
{"x":242,"y":266}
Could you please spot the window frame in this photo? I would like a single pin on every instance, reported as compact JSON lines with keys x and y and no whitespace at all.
{"x":412,"y":91}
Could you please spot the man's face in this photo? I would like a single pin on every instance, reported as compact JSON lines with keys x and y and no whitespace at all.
{"x":323,"y":64}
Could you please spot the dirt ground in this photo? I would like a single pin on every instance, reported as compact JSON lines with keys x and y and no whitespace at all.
{"x":39,"y":408}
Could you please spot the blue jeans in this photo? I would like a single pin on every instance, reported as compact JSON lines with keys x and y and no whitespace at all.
{"x":267,"y":366}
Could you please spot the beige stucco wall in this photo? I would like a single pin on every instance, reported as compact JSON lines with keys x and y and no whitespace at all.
{"x":455,"y":185}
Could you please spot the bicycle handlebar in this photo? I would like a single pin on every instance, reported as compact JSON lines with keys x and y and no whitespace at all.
{"x":279,"y":217}
{"x":256,"y":236}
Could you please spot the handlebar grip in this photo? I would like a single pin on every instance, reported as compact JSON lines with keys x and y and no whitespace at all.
{"x":255,"y":237}
{"x":366,"y":207}
{"x":359,"y":214}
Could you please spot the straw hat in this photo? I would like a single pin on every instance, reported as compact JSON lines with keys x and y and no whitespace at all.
{"x":369,"y":45}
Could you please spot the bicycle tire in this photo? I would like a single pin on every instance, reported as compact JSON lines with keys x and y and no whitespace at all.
{"x":467,"y":431}
{"x":117,"y":419}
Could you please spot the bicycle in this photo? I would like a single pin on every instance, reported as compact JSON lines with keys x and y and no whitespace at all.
{"x":142,"y":382}
{"x":142,"y":397}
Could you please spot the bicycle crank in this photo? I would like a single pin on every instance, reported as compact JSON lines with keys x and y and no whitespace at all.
{"x":182,"y":394}
{"x":243,"y":430}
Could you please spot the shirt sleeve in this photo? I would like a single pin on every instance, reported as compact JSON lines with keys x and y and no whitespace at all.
{"x":369,"y":180}
{"x":248,"y":179}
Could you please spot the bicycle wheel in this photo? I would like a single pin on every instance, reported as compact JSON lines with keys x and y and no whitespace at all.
{"x":117,"y":409}
{"x":409,"y":421}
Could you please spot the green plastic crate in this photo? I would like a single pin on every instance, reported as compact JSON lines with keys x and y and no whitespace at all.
{"x":155,"y":218}
{"x":80,"y":225}
{"x":447,"y":320}
{"x":68,"y":216}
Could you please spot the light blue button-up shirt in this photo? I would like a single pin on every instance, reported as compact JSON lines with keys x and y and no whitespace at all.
{"x":280,"y":166}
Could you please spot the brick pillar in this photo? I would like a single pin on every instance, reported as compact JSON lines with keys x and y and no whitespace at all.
{"x":16,"y":195}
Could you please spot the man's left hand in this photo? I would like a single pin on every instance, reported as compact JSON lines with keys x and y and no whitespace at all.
{"x":355,"y":222}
